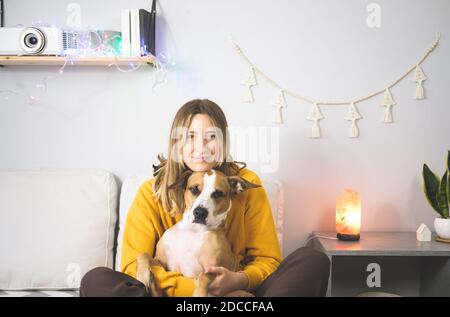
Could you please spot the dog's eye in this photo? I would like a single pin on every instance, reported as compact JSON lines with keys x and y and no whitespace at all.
{"x":217,"y":194}
{"x":194,"y":190}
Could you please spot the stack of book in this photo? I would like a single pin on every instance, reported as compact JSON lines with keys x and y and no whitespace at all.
{"x":138,"y":32}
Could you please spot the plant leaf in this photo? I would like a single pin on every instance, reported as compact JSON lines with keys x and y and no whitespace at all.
{"x":448,"y":191}
{"x":442,"y":196}
{"x":448,"y":180}
{"x":431,"y":187}
{"x":448,"y":161}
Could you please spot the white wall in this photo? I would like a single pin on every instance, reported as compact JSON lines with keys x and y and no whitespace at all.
{"x":102,"y":118}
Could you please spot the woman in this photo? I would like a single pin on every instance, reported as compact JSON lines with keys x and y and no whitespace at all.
{"x":199,"y":142}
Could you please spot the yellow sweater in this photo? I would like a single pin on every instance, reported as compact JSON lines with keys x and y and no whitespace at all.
{"x":249,"y":228}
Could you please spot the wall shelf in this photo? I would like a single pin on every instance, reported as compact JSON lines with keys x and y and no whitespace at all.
{"x":77,"y":61}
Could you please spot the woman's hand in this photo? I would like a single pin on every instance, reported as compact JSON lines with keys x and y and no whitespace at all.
{"x":226,"y":281}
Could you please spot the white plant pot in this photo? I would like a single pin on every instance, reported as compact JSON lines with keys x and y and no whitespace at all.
{"x":442,"y":227}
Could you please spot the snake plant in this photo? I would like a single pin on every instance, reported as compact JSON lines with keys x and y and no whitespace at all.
{"x":437,"y":190}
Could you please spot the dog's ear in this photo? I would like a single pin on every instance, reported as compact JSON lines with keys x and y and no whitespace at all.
{"x":181,"y":182}
{"x":239,"y":185}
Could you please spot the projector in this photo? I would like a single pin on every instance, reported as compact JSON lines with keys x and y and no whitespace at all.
{"x":31,"y":41}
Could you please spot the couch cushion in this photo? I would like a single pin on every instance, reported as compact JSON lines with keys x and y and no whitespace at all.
{"x":132,"y":183}
{"x":39,"y":293}
{"x":55,"y":225}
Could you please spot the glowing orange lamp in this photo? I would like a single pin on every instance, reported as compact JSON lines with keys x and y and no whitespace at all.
{"x":348,"y":216}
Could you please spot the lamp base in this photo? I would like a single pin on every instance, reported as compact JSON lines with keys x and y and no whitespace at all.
{"x":348,"y":237}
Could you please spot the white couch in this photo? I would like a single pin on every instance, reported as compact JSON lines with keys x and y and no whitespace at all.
{"x":55,"y":225}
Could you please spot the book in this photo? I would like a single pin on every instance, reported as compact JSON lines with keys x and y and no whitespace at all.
{"x":135,"y":42}
{"x":147,"y":23}
{"x":138,"y":31}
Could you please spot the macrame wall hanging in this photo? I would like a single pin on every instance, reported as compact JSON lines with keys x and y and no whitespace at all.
{"x":315,"y":115}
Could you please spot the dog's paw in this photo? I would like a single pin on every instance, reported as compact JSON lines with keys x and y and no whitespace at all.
{"x":143,"y":273}
{"x":143,"y":259}
{"x":201,"y":286}
{"x":144,"y":276}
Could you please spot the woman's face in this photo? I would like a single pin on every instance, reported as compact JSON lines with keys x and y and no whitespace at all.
{"x":202,"y":144}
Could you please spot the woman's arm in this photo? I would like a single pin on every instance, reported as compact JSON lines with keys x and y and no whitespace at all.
{"x":142,"y":229}
{"x":263,"y":253}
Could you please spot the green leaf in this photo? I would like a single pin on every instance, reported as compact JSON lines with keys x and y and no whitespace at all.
{"x":448,"y":191}
{"x":442,"y":196}
{"x":431,"y":187}
{"x":448,"y":161}
{"x":448,"y":179}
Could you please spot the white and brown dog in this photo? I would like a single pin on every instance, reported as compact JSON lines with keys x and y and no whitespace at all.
{"x":198,"y":240}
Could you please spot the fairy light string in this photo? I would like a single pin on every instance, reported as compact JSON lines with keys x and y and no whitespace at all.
{"x":102,"y":49}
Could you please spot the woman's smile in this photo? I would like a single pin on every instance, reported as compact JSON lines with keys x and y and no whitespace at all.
{"x":198,"y":159}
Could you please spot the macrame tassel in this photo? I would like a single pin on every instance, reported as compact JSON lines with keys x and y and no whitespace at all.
{"x":419,"y":78}
{"x":354,"y":131}
{"x":352,"y":116}
{"x":280,"y":102}
{"x":277,"y":116}
{"x":315,"y":131}
{"x":388,"y":115}
{"x":388,"y":102}
{"x":249,"y":81}
{"x":247,"y":95}
{"x":315,"y":115}
{"x":419,"y":91}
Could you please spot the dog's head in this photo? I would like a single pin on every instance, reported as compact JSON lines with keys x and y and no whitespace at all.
{"x":208,"y":195}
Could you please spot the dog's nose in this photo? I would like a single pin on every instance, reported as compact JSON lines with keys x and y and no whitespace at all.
{"x":200,"y":212}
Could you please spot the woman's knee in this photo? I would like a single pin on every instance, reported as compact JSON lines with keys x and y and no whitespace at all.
{"x":95,"y":273}
{"x":304,"y":272}
{"x":92,"y":277}
{"x":312,"y":258}
{"x":105,"y":282}
{"x":319,"y":257}
{"x":313,"y":269}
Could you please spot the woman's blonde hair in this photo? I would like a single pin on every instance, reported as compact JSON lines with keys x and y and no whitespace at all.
{"x":169,"y":170}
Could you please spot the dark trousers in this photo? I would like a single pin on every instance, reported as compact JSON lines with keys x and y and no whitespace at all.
{"x":304,"y":272}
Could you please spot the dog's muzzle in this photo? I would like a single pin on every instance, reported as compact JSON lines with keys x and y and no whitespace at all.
{"x":200,"y":214}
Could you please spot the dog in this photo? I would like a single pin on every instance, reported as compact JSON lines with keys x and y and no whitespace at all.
{"x":198,"y":240}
